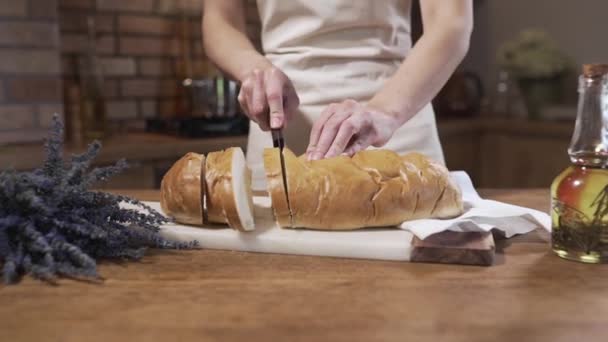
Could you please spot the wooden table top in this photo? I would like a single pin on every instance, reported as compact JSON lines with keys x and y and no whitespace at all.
{"x":529,"y":295}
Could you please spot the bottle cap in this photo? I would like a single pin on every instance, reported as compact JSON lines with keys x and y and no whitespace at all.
{"x":595,"y":70}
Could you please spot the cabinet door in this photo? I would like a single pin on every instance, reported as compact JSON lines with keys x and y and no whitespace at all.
{"x":461,"y":152}
{"x":521,"y":161}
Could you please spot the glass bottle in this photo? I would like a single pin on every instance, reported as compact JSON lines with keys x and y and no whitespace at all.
{"x":506,"y":101}
{"x":92,"y":104}
{"x":501,"y":99}
{"x":579,"y":195}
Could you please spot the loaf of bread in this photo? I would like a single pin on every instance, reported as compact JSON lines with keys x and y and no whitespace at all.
{"x":374,"y":188}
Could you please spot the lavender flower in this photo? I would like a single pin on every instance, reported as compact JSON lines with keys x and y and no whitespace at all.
{"x":52,"y":224}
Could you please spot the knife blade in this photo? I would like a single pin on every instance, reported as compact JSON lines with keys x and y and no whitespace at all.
{"x":279,"y":142}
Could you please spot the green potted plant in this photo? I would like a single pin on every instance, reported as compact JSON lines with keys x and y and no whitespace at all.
{"x":539,"y":67}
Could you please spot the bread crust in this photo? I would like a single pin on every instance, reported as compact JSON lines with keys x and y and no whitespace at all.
{"x":274,"y":186}
{"x":374,"y":188}
{"x":181,"y":190}
{"x":215,"y":168}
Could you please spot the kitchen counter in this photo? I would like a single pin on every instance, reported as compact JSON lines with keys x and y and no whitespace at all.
{"x":149,"y":156}
{"x":138,"y":147}
{"x":146,"y":146}
{"x":529,"y":294}
{"x":496,"y":153}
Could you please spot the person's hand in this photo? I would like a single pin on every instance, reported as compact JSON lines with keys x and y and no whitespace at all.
{"x":348,"y":127}
{"x":268,"y":98}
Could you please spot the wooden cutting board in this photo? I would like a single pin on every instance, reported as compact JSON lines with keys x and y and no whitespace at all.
{"x":466,"y":248}
{"x":470,"y":248}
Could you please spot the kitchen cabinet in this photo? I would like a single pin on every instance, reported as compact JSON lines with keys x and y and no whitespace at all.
{"x":506,"y":153}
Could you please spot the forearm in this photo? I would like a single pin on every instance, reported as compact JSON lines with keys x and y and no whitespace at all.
{"x":423,"y":73}
{"x":226,"y":41}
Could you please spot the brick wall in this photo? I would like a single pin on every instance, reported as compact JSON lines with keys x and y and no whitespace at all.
{"x":138,"y":42}
{"x":30,"y":81}
{"x":140,"y":49}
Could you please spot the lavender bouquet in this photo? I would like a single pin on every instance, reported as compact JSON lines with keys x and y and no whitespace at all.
{"x":52,"y":225}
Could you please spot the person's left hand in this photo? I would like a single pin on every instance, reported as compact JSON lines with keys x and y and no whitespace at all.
{"x":348,"y":127}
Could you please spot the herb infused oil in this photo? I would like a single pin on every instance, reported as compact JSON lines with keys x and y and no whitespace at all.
{"x":579,"y":195}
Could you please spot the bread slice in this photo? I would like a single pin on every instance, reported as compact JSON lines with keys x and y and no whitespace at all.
{"x":182,"y":191}
{"x":228,"y":188}
{"x":213,"y":182}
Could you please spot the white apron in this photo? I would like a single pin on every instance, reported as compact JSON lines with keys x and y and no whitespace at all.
{"x":334,"y":50}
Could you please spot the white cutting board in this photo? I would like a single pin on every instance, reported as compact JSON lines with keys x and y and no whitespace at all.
{"x":384,"y":244}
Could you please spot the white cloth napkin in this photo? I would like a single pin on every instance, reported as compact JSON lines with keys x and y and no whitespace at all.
{"x":482,"y":215}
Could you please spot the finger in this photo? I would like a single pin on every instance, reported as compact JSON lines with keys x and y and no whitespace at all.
{"x":329,"y":132}
{"x":349,"y":128}
{"x":319,"y":124}
{"x":357,"y":145}
{"x":261,"y":120}
{"x":264,"y":125}
{"x":315,"y":132}
{"x":243,"y":103}
{"x":258,"y":101}
{"x":274,"y":98}
{"x":243,"y":97}
{"x":251,"y":86}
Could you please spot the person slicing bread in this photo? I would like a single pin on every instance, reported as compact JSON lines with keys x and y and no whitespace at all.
{"x":339,"y":75}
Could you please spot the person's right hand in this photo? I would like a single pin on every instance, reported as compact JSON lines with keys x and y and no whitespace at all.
{"x":268,"y":98}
